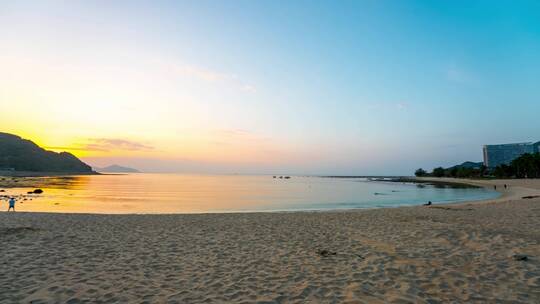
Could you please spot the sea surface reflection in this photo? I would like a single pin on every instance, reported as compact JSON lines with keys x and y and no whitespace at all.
{"x":172,"y":193}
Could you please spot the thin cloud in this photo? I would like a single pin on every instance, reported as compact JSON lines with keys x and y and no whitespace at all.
{"x":402,"y":105}
{"x":232,"y":137}
{"x":388,"y":106}
{"x":213,"y":76}
{"x":458,"y":74}
{"x":109,"y":144}
{"x":220,"y":143}
{"x":203,"y":74}
{"x":233,"y":132}
{"x":248,"y":88}
{"x":105,"y":145}
{"x":238,"y":134}
{"x":65,"y":148}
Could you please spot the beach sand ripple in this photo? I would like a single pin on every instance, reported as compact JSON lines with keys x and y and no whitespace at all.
{"x":460,"y":253}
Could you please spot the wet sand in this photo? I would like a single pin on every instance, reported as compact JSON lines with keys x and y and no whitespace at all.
{"x":447,"y":253}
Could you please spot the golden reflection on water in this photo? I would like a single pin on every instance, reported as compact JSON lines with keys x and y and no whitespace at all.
{"x":170,"y":193}
{"x":147,"y":193}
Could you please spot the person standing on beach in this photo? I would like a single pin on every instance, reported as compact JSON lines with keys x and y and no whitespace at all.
{"x":11,"y":204}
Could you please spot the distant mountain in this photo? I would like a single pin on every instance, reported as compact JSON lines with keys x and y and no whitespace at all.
{"x":23,"y":155}
{"x":117,"y":169}
{"x":468,"y":165}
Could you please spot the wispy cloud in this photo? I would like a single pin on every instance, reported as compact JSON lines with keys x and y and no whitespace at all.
{"x":248,"y":88}
{"x":203,"y":74}
{"x":232,"y":132}
{"x":402,"y":105}
{"x":111,"y":144}
{"x":104,"y":145}
{"x":213,"y":76}
{"x":455,"y":73}
{"x":238,"y":134}
{"x":225,"y":137}
{"x":388,"y":105}
{"x":57,"y":148}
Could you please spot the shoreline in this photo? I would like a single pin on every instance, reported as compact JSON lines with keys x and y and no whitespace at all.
{"x":516,"y":188}
{"x":22,"y":174}
{"x":57,"y":181}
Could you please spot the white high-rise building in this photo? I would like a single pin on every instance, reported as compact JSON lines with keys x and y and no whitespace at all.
{"x":495,"y":155}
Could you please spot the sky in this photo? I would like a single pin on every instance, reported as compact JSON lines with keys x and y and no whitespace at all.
{"x":262,"y":87}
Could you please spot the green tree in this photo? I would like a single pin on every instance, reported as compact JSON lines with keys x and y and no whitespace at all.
{"x":483,"y":170}
{"x":453,"y":172}
{"x":420,"y":172}
{"x":438,"y":172}
{"x":467,"y":172}
{"x":503,"y":171}
{"x":526,"y":166}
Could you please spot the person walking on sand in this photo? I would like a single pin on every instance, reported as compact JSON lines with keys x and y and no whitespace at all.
{"x":11,"y":204}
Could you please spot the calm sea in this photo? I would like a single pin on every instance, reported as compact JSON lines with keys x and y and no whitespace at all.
{"x":169,"y":193}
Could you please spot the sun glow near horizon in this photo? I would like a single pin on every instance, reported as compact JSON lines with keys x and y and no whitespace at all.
{"x":96,"y":109}
{"x":360,"y":88}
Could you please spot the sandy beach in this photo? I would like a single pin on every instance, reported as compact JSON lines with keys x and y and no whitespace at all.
{"x":460,"y":253}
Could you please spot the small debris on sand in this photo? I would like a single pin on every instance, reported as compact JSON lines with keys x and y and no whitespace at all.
{"x":452,"y":209}
{"x":520,"y":257}
{"x":326,"y":253}
{"x":16,"y":230}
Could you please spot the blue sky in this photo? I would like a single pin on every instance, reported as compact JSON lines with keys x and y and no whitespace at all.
{"x":316,"y":87}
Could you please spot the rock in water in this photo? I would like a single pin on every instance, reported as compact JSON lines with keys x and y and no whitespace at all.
{"x":38,"y":191}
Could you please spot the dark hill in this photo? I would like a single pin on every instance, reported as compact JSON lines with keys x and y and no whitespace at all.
{"x":468,"y":165}
{"x":23,"y":155}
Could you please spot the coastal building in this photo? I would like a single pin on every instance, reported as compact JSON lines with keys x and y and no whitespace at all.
{"x":495,"y":155}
